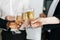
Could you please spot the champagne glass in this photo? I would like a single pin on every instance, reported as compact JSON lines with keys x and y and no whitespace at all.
{"x":31,"y":15}
{"x":28,"y":15}
{"x":25,"y":17}
{"x":18,"y":21}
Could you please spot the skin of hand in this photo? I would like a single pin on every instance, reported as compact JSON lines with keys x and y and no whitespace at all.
{"x":10,"y":18}
{"x":13,"y":25}
{"x":42,"y":15}
{"x":25,"y":23}
{"x":36,"y":23}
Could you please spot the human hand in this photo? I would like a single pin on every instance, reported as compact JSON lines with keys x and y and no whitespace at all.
{"x":25,"y":23}
{"x":42,"y":15}
{"x":36,"y":23}
{"x":10,"y":18}
{"x":19,"y":20}
{"x":13,"y":25}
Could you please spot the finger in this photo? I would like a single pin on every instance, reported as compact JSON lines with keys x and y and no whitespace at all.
{"x":36,"y":24}
{"x":10,"y":18}
{"x":37,"y":19}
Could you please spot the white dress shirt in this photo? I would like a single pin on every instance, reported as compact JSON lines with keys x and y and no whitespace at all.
{"x":13,"y":7}
{"x":37,"y":6}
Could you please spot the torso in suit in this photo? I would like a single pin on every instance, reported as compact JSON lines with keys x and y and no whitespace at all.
{"x":57,"y":11}
{"x":3,"y":24}
{"x":54,"y":33}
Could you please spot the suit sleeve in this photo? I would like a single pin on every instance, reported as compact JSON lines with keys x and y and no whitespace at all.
{"x":3,"y":24}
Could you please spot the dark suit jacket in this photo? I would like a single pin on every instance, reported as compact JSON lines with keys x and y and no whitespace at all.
{"x":7,"y":34}
{"x":3,"y":24}
{"x":55,"y":28}
{"x":56,"y":13}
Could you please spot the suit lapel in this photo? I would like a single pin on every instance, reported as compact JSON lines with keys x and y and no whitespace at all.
{"x":57,"y":11}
